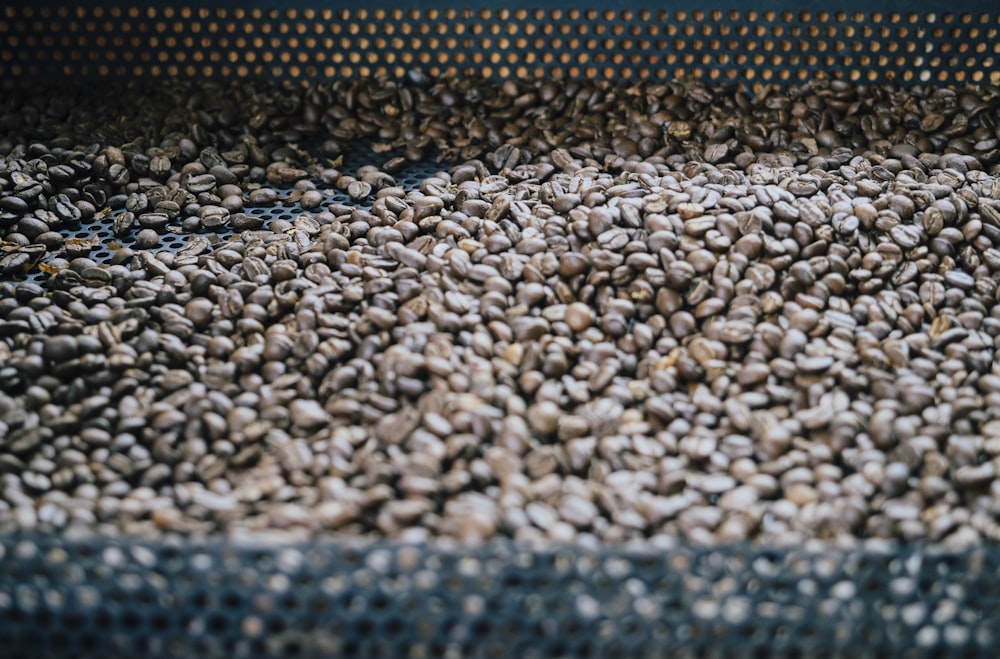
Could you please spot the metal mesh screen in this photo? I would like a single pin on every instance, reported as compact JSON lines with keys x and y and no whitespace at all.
{"x":94,"y":599}
{"x":101,"y":229}
{"x":756,"y":42}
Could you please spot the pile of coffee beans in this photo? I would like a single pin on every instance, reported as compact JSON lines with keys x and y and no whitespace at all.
{"x":615,"y":313}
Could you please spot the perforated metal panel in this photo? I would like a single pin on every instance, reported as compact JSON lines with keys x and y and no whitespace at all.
{"x":101,"y":229}
{"x":745,"y":42}
{"x":98,"y":599}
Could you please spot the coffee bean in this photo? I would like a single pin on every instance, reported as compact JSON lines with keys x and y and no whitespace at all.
{"x":762,"y":337}
{"x":262,"y":196}
{"x":578,"y":316}
{"x":60,"y":348}
{"x":146,"y":239}
{"x":153,"y":221}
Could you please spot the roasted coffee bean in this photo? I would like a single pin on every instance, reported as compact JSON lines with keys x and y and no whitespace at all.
{"x":263,"y":196}
{"x":670,"y":309}
{"x":153,"y":221}
{"x":146,"y":238}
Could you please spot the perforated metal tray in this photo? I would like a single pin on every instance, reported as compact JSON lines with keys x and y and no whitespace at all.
{"x":119,"y":598}
{"x":357,"y":156}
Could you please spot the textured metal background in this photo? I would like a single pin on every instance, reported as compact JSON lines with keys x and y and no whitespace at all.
{"x":753,"y":42}
{"x":141,"y":599}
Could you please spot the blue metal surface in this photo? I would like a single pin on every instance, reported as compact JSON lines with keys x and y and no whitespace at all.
{"x":100,"y":598}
